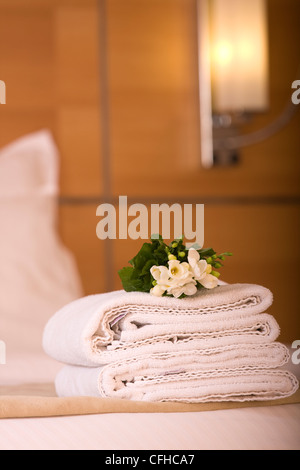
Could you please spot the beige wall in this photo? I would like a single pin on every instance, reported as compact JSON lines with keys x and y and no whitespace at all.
{"x":116,"y":82}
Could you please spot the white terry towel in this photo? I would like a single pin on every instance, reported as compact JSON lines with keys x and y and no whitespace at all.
{"x":105,"y":328}
{"x":241,"y":373}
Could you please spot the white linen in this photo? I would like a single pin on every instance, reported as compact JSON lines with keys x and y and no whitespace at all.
{"x":240,"y":373}
{"x":103,"y":328}
{"x":38,"y":274}
{"x":214,"y":346}
{"x":265,"y":428}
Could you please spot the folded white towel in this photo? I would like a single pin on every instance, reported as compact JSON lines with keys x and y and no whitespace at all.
{"x":236,"y":373}
{"x":115,"y":326}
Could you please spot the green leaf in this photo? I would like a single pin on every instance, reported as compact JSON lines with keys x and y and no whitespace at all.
{"x":148,"y":266}
{"x":130,"y":280}
{"x":147,"y":282}
{"x":205,"y":252}
{"x":142,"y":257}
{"x":160,"y":255}
{"x":137,"y":277}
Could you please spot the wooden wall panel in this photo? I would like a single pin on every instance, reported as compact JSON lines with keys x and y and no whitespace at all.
{"x":76,"y":32}
{"x":264,"y":240}
{"x":16,"y":123}
{"x":77,"y":72}
{"x":34,"y":5}
{"x":153,"y":94}
{"x":79,"y":140}
{"x":50,"y":59}
{"x":26,"y":58}
{"x":154,"y":106}
{"x":50,"y":62}
{"x":265,"y":243}
{"x":78,"y":232}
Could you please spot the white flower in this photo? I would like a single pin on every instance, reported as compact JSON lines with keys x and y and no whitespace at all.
{"x":187,"y":289}
{"x":176,"y":279}
{"x":201,"y":270}
{"x":181,"y":278}
{"x":197,"y":265}
{"x":179,"y":272}
{"x":158,"y":291}
{"x":159,"y":273}
{"x":161,"y":276}
{"x":209,"y":281}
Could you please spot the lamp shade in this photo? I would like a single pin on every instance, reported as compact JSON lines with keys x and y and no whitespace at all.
{"x":239,"y":55}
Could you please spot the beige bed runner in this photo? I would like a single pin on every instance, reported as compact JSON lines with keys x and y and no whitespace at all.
{"x":39,"y":400}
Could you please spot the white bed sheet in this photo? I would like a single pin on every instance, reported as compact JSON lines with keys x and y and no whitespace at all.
{"x":266,"y":428}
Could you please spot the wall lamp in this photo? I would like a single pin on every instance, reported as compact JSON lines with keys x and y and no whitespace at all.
{"x":233,"y":77}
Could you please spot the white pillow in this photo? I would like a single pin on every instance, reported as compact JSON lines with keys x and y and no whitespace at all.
{"x":38,"y":275}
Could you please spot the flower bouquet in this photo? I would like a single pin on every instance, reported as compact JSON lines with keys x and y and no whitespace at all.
{"x":172,"y":270}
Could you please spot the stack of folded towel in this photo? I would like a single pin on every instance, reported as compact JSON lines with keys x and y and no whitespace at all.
{"x":218,"y":345}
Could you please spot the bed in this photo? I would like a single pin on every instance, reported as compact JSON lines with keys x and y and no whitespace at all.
{"x":252,"y":427}
{"x":32,"y":289}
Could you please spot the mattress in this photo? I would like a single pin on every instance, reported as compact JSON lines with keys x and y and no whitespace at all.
{"x":273,"y":426}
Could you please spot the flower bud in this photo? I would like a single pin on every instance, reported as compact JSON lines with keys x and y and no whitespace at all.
{"x":215,"y":273}
{"x":217,"y":265}
{"x":157,"y":291}
{"x":174,"y":245}
{"x":209,"y":269}
{"x":172,"y":257}
{"x":181,"y":254}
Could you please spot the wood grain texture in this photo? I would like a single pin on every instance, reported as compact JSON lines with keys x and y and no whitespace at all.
{"x":79,"y":140}
{"x":49,"y":60}
{"x":264,"y":240}
{"x":55,"y":75}
{"x":76,"y":33}
{"x":78,"y":231}
{"x":154,"y":107}
{"x":153,"y":87}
